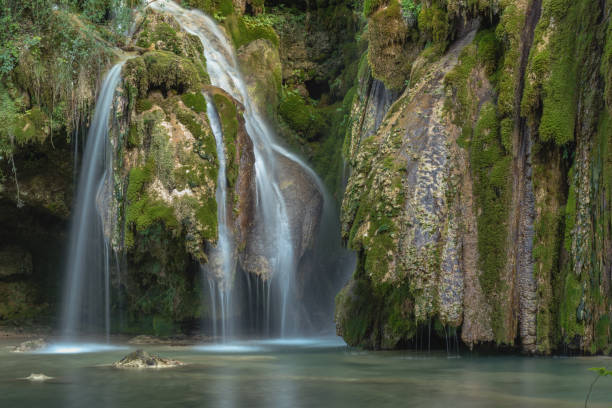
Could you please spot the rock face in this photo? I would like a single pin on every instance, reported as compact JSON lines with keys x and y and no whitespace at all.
{"x":15,"y":261}
{"x":260,"y":63}
{"x":397,"y":213}
{"x":475,"y":206}
{"x":142,"y":359}
{"x":37,"y":377}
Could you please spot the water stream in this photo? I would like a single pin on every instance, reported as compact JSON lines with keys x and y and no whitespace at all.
{"x":86,"y":302}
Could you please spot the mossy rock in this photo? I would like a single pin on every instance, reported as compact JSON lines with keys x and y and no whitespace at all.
{"x":392,"y":46}
{"x":167,"y":71}
{"x":301,"y":116}
{"x":242,"y":32}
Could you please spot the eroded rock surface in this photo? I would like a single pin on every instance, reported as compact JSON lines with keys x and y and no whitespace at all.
{"x":30,"y":345}
{"x":142,"y":359}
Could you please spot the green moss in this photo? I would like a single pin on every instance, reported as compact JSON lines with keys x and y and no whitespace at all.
{"x":167,"y":71}
{"x":195,"y":101}
{"x":602,"y":333}
{"x":143,"y":105}
{"x":508,"y":32}
{"x":228,"y":115}
{"x":165,"y":34}
{"x":134,"y":136}
{"x":32,"y":126}
{"x":564,"y":38}
{"x":144,"y":211}
{"x":301,"y":115}
{"x":491,"y":169}
{"x":18,"y":303}
{"x":570,"y":317}
{"x":434,"y":23}
{"x":243,"y":31}
{"x":207,"y":216}
{"x":370,"y":6}
{"x":392,"y":47}
{"x":205,"y":145}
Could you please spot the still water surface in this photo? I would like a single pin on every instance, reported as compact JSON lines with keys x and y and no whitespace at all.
{"x":298,"y":373}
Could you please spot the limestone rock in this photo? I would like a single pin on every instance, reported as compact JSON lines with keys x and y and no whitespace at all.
{"x":30,"y":345}
{"x":261,"y":65}
{"x":142,"y":359}
{"x":40,"y":377}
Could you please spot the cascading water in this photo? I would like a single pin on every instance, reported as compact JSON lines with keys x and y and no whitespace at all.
{"x":86,"y":306}
{"x":221,"y":260}
{"x":272,"y":212}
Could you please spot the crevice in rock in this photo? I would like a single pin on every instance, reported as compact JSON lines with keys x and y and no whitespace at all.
{"x":523,"y":202}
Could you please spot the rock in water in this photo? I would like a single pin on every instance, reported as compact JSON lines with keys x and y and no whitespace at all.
{"x":142,"y":359}
{"x":37,"y":377}
{"x":30,"y":345}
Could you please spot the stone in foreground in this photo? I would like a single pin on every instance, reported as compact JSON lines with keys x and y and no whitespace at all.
{"x":30,"y":345}
{"x":37,"y":377}
{"x":142,"y":359}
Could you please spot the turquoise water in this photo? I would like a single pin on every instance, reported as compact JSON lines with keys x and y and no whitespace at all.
{"x":299,"y":373}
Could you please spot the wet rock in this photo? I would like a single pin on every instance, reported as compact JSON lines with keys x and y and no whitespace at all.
{"x":40,"y":377}
{"x":30,"y":345}
{"x":142,"y":359}
{"x":261,"y":65}
{"x":144,"y":339}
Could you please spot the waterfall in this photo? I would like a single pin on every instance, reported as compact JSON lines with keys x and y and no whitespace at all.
{"x":86,"y":302}
{"x":272,"y":213}
{"x":220,"y":259}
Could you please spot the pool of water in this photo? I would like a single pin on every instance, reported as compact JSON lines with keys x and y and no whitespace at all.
{"x":297,"y":373}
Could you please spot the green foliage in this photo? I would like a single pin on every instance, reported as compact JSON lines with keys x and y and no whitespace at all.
{"x":143,"y":105}
{"x":370,"y":6}
{"x":410,"y":11}
{"x":8,"y":118}
{"x":601,"y":371}
{"x":46,"y":55}
{"x":163,"y":326}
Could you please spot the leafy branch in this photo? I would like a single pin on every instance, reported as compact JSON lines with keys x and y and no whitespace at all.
{"x":601,"y":372}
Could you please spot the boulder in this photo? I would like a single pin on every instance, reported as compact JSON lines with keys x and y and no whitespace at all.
{"x":142,"y":359}
{"x":30,"y":345}
{"x":37,"y":377}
